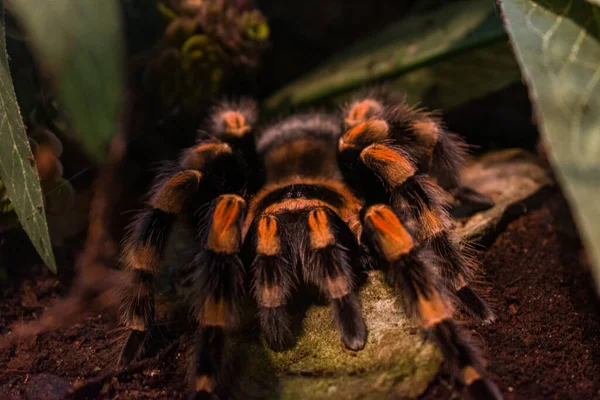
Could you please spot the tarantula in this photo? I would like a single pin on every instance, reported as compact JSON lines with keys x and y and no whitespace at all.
{"x":314,"y":198}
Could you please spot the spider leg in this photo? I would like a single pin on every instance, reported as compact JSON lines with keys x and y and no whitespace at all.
{"x":218,"y":290}
{"x":429,"y":216}
{"x":411,"y":269}
{"x":328,"y":266}
{"x":143,"y":255}
{"x":435,"y":150}
{"x":422,"y":204}
{"x":210,"y":165}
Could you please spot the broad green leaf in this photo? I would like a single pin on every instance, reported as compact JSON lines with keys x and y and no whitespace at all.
{"x":413,"y":42}
{"x":17,"y":171}
{"x":558,"y":47}
{"x":482,"y":71}
{"x":80,"y":45}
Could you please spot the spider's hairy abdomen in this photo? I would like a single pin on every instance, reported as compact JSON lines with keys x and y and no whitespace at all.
{"x":311,"y":200}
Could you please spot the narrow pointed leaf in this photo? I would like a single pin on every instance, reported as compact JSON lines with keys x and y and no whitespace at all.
{"x":17,"y":170}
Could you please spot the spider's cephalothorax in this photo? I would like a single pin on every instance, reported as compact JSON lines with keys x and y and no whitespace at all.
{"x":313,"y":198}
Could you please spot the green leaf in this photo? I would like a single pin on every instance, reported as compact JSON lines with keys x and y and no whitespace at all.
{"x":80,"y":45}
{"x":481,"y":71}
{"x":411,"y":43}
{"x":558,"y":47}
{"x":17,"y":171}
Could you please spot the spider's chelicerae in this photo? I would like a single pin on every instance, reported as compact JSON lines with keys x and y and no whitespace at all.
{"x":314,"y":198}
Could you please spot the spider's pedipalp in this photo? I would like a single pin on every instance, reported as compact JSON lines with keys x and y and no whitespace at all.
{"x":411,"y":268}
{"x":331,"y":250}
{"x":272,"y":280}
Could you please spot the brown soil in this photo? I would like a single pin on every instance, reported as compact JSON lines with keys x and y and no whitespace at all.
{"x":546,"y":341}
{"x":545,"y":344}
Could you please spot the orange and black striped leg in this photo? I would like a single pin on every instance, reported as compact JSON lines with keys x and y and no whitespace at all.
{"x":411,"y":269}
{"x":272,"y":282}
{"x":327,"y":265}
{"x":446,"y":156}
{"x":218,"y":286}
{"x":429,"y":219}
{"x":143,"y":255}
{"x":423,"y":207}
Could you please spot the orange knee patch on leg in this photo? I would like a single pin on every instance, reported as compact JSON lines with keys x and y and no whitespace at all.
{"x":268,"y":242}
{"x":390,"y":165}
{"x":225,"y":231}
{"x":470,"y":375}
{"x":199,"y":156}
{"x":137,"y":324}
{"x":215,"y":313}
{"x":205,"y":384}
{"x":362,"y":110}
{"x":428,"y":132}
{"x":234,"y":123}
{"x":431,"y":223}
{"x":365,"y":133}
{"x":144,"y":258}
{"x":433,"y":310}
{"x":320,"y":230}
{"x":337,"y":286}
{"x":270,"y":296}
{"x":389,"y":233}
{"x":176,"y":190}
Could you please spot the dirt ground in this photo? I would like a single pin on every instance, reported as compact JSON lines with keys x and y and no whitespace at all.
{"x":544,"y":345}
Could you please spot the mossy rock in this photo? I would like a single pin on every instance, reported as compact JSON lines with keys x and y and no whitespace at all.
{"x":396,"y":362}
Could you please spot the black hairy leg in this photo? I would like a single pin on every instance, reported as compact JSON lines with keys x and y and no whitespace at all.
{"x":213,"y":167}
{"x":410,"y":268}
{"x":217,"y":295}
{"x":434,"y":150}
{"x":331,"y":250}
{"x":143,"y":256}
{"x":384,"y":172}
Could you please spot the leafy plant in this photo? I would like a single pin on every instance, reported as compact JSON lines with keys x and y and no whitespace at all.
{"x":79,"y":44}
{"x":557,"y":43}
{"x":420,"y":51}
{"x":17,"y":171}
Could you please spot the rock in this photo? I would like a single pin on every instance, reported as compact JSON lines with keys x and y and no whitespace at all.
{"x":512,"y":178}
{"x":396,"y":361}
